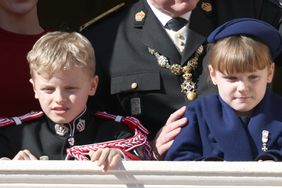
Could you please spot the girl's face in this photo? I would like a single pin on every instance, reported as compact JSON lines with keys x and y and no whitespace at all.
{"x":63,"y":97}
{"x":242,"y":91}
{"x":174,"y":8}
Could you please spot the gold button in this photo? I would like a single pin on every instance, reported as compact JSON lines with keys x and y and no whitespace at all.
{"x":134,"y":85}
{"x":180,"y":36}
{"x":182,"y":43}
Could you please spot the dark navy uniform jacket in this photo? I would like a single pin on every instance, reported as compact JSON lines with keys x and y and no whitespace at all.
{"x":215,"y":132}
{"x":39,"y":135}
{"x":131,"y":81}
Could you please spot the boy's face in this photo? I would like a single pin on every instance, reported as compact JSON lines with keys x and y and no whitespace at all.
{"x":63,"y":97}
{"x":242,"y":91}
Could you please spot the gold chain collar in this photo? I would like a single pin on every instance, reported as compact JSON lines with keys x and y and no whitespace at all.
{"x":188,"y":87}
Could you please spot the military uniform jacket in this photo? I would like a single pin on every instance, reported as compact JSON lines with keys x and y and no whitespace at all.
{"x":121,"y":44}
{"x":131,"y":81}
{"x":215,"y":132}
{"x":42,"y":138}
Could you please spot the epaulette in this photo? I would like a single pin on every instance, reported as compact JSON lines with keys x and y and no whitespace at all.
{"x":4,"y":122}
{"x":97,"y":18}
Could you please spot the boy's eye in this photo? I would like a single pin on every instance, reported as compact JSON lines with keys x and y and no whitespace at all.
{"x":48,"y":89}
{"x":71,"y":88}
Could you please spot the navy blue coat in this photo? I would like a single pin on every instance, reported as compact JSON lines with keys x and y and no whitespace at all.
{"x":215,"y":132}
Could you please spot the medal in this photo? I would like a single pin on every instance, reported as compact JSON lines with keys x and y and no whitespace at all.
{"x":188,"y":86}
{"x":191,"y":95}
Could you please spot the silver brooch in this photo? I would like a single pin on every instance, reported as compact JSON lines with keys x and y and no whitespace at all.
{"x":264,"y":139}
{"x":80,"y":126}
{"x":61,"y":129}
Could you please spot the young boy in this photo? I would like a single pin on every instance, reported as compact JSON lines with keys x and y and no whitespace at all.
{"x":243,"y":122}
{"x":62,"y":68}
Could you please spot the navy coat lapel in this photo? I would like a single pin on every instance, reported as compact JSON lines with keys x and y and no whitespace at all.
{"x":264,"y":118}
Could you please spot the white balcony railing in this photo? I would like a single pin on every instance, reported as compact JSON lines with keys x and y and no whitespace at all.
{"x":140,"y":174}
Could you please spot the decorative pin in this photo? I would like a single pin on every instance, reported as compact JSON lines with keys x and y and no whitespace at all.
{"x":61,"y":130}
{"x":207,"y":7}
{"x":71,"y":141}
{"x":264,"y":139}
{"x":80,"y":126}
{"x":139,"y":16}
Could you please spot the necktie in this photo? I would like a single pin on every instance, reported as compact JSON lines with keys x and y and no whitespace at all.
{"x":176,"y":23}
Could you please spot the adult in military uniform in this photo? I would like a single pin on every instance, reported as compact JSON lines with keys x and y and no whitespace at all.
{"x":150,"y":66}
{"x":62,"y":68}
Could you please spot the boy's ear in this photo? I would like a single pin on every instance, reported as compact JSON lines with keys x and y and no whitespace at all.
{"x":94,"y":85}
{"x":212,"y":74}
{"x":33,"y":86}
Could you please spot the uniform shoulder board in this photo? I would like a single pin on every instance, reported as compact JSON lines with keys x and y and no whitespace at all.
{"x":97,"y":18}
{"x":4,"y":122}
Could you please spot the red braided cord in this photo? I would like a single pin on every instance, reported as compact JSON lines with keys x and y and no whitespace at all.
{"x":125,"y":145}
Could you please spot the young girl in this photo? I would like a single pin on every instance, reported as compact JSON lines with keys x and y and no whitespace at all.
{"x":243,"y":122}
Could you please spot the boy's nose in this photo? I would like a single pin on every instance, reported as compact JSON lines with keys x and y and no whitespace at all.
{"x":60,"y":98}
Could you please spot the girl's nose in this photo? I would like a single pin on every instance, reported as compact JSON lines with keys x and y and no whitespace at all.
{"x":243,"y":86}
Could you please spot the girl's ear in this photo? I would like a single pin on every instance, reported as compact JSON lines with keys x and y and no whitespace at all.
{"x":212,"y":74}
{"x":270,"y":74}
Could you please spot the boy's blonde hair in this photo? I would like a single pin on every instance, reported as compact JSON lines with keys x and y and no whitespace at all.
{"x":58,"y":51}
{"x":238,"y":54}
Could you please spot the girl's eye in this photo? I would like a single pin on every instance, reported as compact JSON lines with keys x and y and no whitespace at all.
{"x":253,"y":77}
{"x":230,"y":78}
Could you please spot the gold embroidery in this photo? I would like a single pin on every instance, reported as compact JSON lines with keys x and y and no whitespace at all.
{"x":188,"y":87}
{"x":206,"y":7}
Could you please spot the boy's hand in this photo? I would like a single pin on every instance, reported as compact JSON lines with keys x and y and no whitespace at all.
{"x":107,"y":157}
{"x":24,"y":155}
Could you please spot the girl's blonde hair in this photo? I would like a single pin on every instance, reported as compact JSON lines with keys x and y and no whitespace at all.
{"x":58,"y":51}
{"x":237,"y":54}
